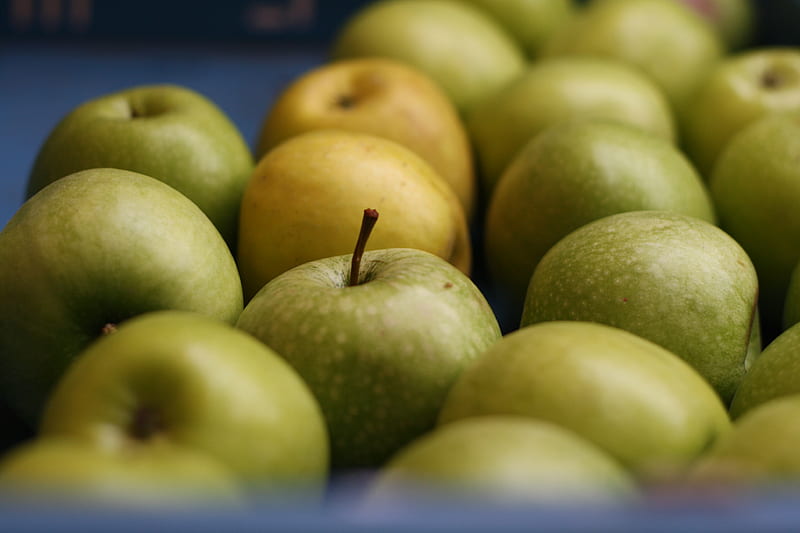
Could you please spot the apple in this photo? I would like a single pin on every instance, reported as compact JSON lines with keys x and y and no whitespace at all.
{"x":169,"y":132}
{"x":666,"y":39}
{"x":775,"y":373}
{"x":169,"y":385}
{"x":502,"y":460}
{"x":53,"y":471}
{"x":635,"y":400}
{"x":755,"y":186}
{"x":305,"y":197}
{"x":734,"y":20}
{"x":674,"y":279}
{"x":460,"y":46}
{"x":383,"y":97}
{"x":90,"y":250}
{"x":553,"y":90}
{"x":575,"y":172}
{"x":530,"y":22}
{"x":760,"y":449}
{"x":379,"y":340}
{"x":741,"y":88}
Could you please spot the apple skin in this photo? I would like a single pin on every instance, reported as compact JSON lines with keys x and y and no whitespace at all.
{"x":461,"y":47}
{"x":54,"y":471}
{"x":553,"y":90}
{"x":177,"y":380}
{"x":676,"y":280}
{"x":503,"y":460}
{"x":379,"y":356}
{"x":734,"y":20}
{"x":93,"y":248}
{"x":760,"y":450}
{"x":530,"y":22}
{"x":306,"y":196}
{"x":385,"y":98}
{"x":775,"y":373}
{"x":667,"y":40}
{"x":168,"y":132}
{"x":740,"y":89}
{"x":634,"y":399}
{"x":573,"y":173}
{"x":756,"y":189}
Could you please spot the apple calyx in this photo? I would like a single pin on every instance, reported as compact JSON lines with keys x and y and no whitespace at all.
{"x":108,"y":329}
{"x":345,"y":101}
{"x":367,"y":223}
{"x":146,"y":423}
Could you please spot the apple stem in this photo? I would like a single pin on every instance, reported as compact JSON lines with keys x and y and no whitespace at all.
{"x":367,"y":223}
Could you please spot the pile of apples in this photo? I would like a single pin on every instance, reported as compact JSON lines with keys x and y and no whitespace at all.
{"x":506,"y":251}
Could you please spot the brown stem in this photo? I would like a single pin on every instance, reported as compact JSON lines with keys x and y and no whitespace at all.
{"x":367,"y":223}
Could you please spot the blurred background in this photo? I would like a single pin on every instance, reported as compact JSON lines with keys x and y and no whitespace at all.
{"x":55,"y":54}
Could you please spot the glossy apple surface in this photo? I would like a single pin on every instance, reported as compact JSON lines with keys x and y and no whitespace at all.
{"x":676,"y":280}
{"x":756,"y":189}
{"x":467,"y":52}
{"x":665,"y":39}
{"x":53,"y":472}
{"x":169,"y":381}
{"x":380,"y":355}
{"x":740,"y":89}
{"x":530,"y":22}
{"x":305,"y":199}
{"x":92,"y":249}
{"x":553,"y":90}
{"x":576,"y":172}
{"x":171,"y":133}
{"x":637,"y":401}
{"x":500,"y":459}
{"x":383,"y":97}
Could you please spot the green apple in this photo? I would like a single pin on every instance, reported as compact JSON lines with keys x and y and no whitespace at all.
{"x":530,"y":22}
{"x":575,"y":172}
{"x":458,"y":45}
{"x":383,"y":97}
{"x":791,"y":306}
{"x":666,"y":39}
{"x":379,"y":348}
{"x":91,"y":250}
{"x":168,"y":132}
{"x":740,"y":89}
{"x":755,"y":186}
{"x":306,"y":195}
{"x":642,"y":404}
{"x":553,"y":90}
{"x":674,"y":279}
{"x":734,"y":20}
{"x":53,"y":471}
{"x":775,"y":373}
{"x":503,"y":460}
{"x":760,"y":449}
{"x":168,"y":383}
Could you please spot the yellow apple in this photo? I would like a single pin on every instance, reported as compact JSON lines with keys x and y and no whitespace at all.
{"x":306,"y":197}
{"x":383,"y":97}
